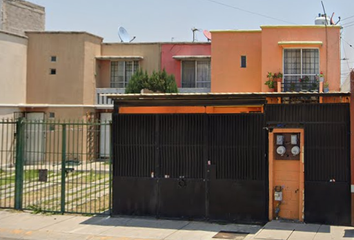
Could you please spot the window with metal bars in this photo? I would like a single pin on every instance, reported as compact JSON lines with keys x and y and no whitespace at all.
{"x":300,"y":65}
{"x":196,"y":74}
{"x":121,"y":72}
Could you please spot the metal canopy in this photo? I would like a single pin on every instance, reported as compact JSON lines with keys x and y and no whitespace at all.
{"x":207,"y":99}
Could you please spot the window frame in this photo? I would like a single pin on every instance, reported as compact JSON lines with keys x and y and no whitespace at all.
{"x":301,"y":75}
{"x":196,"y":72}
{"x":115,"y":84}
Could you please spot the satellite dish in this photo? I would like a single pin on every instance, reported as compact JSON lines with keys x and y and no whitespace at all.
{"x":123,"y":35}
{"x":207,"y":34}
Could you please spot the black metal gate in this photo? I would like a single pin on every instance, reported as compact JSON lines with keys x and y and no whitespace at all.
{"x":191,"y":166}
{"x":327,"y":157}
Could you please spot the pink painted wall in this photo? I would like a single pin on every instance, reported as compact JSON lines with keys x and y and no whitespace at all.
{"x":172,"y":65}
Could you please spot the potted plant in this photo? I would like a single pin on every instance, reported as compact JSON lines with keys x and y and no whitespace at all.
{"x":270,"y":82}
{"x":321,"y":77}
{"x":304,"y":83}
{"x":292,"y":87}
{"x":325,"y":87}
{"x":278,"y":77}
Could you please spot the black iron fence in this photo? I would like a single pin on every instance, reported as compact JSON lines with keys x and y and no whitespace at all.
{"x":292,"y":86}
{"x":55,"y":166}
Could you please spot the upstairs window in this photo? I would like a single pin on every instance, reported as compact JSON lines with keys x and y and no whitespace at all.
{"x":300,"y":64}
{"x":121,"y":72}
{"x":196,"y":74}
{"x":243,"y":61}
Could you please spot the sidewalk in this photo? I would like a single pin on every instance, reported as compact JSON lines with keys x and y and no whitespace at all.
{"x":23,"y":225}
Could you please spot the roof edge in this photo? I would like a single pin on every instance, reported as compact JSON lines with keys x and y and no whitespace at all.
{"x":64,"y":32}
{"x":13,"y":34}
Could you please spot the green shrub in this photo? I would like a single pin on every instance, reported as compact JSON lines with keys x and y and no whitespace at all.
{"x":137,"y":82}
{"x":157,"y":82}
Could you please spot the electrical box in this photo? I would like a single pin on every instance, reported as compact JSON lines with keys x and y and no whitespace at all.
{"x":280,"y":139}
{"x":293,"y":139}
{"x":278,"y":193}
{"x":278,"y":196}
{"x":286,"y":146}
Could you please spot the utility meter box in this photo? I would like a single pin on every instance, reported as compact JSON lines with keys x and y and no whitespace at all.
{"x":278,"y":196}
{"x":278,"y":193}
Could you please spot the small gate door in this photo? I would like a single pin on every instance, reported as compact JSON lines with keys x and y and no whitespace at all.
{"x":34,"y":137}
{"x":286,"y":174}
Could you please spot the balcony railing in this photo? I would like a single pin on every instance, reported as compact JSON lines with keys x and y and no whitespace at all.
{"x":103,"y":100}
{"x":300,"y":87}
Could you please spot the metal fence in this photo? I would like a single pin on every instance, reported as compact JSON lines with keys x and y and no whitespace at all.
{"x":55,"y":166}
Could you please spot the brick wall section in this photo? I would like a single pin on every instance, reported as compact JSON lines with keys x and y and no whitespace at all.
{"x":19,"y":16}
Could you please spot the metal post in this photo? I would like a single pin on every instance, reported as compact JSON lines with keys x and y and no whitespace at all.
{"x":63,"y":152}
{"x":110,"y":169}
{"x":19,"y":164}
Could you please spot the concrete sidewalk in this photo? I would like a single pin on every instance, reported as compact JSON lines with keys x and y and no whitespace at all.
{"x":23,"y":225}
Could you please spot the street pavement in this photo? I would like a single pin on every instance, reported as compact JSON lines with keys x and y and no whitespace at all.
{"x":24,"y":225}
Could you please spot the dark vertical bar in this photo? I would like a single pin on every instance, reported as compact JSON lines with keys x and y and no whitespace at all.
{"x":352,"y":141}
{"x":206,"y":176}
{"x":110,"y":170}
{"x":63,"y":154}
{"x":157,"y":146}
{"x":157,"y":161}
{"x":113,"y":158}
{"x":19,"y":164}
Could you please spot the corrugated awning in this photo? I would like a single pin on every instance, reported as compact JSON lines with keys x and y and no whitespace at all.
{"x":191,"y":57}
{"x":120,"y":58}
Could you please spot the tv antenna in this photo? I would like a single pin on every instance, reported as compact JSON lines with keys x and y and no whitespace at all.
{"x":194,"y":30}
{"x":331,"y":22}
{"x":124,"y":36}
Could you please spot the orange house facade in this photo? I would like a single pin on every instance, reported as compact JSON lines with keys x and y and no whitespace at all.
{"x":242,"y":59}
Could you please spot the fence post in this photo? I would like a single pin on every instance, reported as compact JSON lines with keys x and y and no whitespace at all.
{"x":110,"y":167}
{"x":63,"y":152}
{"x":19,"y":164}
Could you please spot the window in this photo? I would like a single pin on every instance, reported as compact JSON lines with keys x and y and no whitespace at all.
{"x":51,"y":115}
{"x":243,"y":61}
{"x":300,"y":64}
{"x":53,"y":58}
{"x":121,"y":72}
{"x":195,"y":74}
{"x":53,"y":71}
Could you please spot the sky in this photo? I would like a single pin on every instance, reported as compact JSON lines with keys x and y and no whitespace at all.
{"x":172,"y":20}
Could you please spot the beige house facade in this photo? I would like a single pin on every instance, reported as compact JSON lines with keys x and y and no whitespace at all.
{"x":13,"y":69}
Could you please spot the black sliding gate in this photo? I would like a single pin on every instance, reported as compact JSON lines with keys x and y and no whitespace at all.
{"x":191,"y":166}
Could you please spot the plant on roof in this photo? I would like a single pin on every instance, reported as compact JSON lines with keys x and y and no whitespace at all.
{"x":157,"y":82}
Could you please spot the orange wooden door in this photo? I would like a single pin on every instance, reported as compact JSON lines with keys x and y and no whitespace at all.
{"x":286,"y":170}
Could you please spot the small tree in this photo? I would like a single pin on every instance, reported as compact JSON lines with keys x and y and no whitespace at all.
{"x":137,"y":82}
{"x":157,"y":82}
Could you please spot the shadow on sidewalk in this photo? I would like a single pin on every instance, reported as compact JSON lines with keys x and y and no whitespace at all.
{"x":150,"y":222}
